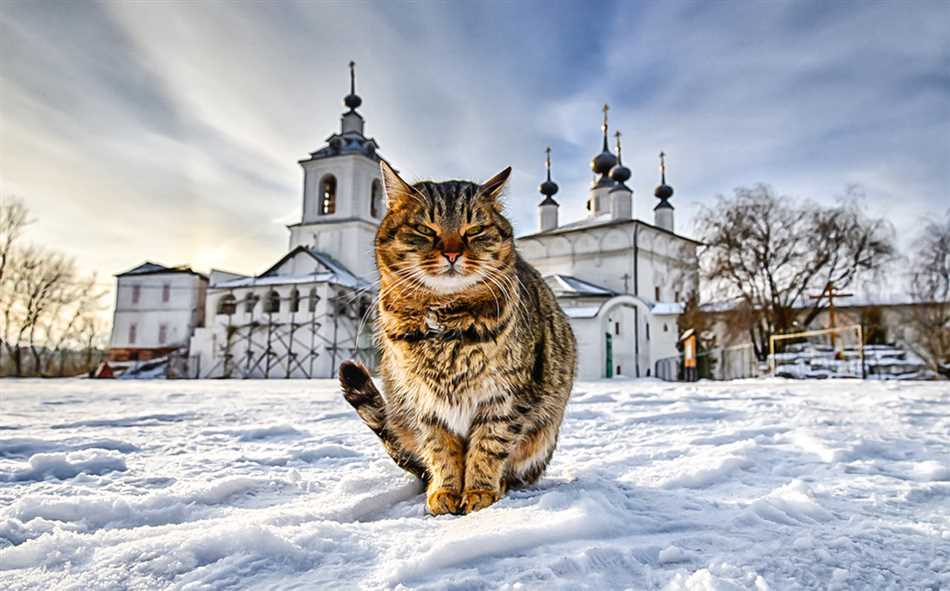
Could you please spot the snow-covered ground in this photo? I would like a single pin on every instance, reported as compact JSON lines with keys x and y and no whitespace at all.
{"x":276,"y":485}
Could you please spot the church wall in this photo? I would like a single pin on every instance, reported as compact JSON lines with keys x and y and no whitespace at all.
{"x":180,"y":314}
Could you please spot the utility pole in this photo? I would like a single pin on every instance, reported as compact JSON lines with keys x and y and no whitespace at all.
{"x":831,"y":294}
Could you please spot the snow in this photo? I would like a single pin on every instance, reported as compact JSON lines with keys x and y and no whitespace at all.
{"x":749,"y":485}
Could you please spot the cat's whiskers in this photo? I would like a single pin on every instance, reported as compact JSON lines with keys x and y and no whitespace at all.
{"x":401,"y":280}
{"x":508,"y":292}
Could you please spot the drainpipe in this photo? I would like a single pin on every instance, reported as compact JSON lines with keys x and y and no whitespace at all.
{"x":636,"y":293}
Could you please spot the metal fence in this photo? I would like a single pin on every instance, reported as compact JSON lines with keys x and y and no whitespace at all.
{"x":721,"y":363}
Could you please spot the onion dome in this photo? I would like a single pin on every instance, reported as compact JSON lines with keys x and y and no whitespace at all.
{"x":663,"y":191}
{"x":352,"y":100}
{"x":548,"y":188}
{"x":603,"y":162}
{"x":619,"y":172}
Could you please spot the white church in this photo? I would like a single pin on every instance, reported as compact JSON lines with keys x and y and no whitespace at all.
{"x":620,"y":280}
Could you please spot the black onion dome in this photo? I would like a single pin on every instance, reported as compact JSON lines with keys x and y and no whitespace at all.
{"x":620,"y":173}
{"x":663,"y":191}
{"x":548,"y":188}
{"x":603,"y":162}
{"x":352,"y":101}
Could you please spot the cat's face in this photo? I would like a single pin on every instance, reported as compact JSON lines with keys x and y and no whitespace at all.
{"x":446,"y":237}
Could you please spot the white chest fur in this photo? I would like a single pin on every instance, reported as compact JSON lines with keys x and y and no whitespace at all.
{"x":457,"y":416}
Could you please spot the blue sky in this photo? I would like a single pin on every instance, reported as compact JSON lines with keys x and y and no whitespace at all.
{"x":171,"y":131}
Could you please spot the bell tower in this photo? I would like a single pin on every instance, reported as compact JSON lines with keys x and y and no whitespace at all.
{"x":343,"y":192}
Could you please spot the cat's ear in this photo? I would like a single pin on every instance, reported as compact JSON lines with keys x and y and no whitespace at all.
{"x":397,"y":190}
{"x":493,"y":187}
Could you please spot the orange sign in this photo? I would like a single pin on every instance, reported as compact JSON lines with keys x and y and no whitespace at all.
{"x":689,"y":351}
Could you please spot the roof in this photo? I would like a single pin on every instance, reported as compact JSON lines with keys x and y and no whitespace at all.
{"x":602,"y":221}
{"x":334,"y":272}
{"x":150,"y":268}
{"x":661,"y":308}
{"x":569,"y":286}
{"x":581,"y":311}
{"x":857,"y":301}
{"x":346,"y":144}
{"x":592,"y":310}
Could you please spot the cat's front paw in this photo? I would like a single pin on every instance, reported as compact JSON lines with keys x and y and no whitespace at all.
{"x":478,"y":498}
{"x":443,"y":501}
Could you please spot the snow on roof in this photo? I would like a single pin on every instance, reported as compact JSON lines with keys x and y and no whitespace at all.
{"x":150,"y":268}
{"x":567,"y":285}
{"x":857,"y":301}
{"x":661,"y":308}
{"x":604,"y":220}
{"x":274,"y":280}
{"x":335,"y":272}
{"x":581,"y":311}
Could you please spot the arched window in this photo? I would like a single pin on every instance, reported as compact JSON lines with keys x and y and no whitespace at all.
{"x":327,"y":203}
{"x":312,"y":300}
{"x":250,"y":300}
{"x":376,"y":200}
{"x":272,"y":303}
{"x":294,"y":300}
{"x":227,"y":304}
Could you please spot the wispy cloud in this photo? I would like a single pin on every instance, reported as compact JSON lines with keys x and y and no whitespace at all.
{"x":171,"y":131}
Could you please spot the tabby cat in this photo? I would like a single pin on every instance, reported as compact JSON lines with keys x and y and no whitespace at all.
{"x":477,"y":358}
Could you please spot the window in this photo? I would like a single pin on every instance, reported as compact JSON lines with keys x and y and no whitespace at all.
{"x":617,"y":328}
{"x":136,"y":293}
{"x":676,"y":296}
{"x":227,"y":304}
{"x":272,"y":303}
{"x":656,"y":293}
{"x":250,"y":300}
{"x":162,"y":333}
{"x":312,"y":300}
{"x":666,"y":327}
{"x":294,"y":300}
{"x":166,"y":292}
{"x":648,"y":331}
{"x":618,"y":371}
{"x":133,"y":329}
{"x":328,"y":195}
{"x":376,"y":200}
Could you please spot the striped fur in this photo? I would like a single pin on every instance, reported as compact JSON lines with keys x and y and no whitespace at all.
{"x":477,"y":360}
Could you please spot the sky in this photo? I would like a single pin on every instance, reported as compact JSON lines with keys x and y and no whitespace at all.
{"x":171,"y":131}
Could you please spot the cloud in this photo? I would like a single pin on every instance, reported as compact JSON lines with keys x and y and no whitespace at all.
{"x":171,"y":131}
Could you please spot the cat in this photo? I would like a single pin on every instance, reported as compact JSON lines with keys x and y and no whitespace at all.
{"x":477,"y":359}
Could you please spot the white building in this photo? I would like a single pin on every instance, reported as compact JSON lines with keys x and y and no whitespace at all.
{"x":156,"y":310}
{"x":622,"y":281}
{"x":308,"y":311}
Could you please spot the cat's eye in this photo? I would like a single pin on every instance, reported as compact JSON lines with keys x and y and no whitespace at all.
{"x":474,"y":230}
{"x":424,"y":229}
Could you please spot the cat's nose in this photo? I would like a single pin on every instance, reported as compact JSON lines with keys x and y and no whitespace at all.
{"x":452,"y":248}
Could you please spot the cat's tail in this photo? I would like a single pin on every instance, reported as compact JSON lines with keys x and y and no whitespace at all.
{"x":361,"y":393}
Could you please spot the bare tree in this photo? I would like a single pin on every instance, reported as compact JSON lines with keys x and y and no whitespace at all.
{"x":768,"y":252}
{"x":44,"y":305}
{"x":64,"y":329}
{"x":930,"y":290}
